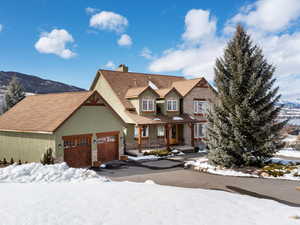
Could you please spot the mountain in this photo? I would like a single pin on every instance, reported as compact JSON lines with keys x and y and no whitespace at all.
{"x":33,"y":84}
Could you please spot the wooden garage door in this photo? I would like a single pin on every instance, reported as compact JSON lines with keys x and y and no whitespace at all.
{"x":108,"y":146}
{"x":77,"y":150}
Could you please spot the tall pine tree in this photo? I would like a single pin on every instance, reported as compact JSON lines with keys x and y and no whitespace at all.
{"x":14,"y":94}
{"x":243,"y":128}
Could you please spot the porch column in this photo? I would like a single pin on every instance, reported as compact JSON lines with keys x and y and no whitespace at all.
{"x":192,"y":135}
{"x":167,"y":134}
{"x":140,"y":139}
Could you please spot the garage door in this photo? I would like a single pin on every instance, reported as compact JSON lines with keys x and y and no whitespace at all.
{"x":108,"y":146}
{"x":77,"y":150}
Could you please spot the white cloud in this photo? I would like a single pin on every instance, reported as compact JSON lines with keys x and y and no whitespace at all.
{"x":198,"y":25}
{"x":1,"y":27}
{"x":197,"y":53}
{"x":125,"y":40}
{"x":269,"y":15}
{"x":147,"y":53}
{"x":90,"y":10}
{"x":54,"y":42}
{"x":109,"y":21}
{"x":110,"y":65}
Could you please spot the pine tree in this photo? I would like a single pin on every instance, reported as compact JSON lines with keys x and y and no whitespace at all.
{"x":243,"y":128}
{"x":14,"y":94}
{"x":48,"y":157}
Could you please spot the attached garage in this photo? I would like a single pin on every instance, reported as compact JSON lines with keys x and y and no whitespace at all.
{"x":80,"y":127}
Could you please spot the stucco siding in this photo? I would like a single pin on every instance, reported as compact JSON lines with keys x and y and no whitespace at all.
{"x":90,"y":120}
{"x":24,"y":146}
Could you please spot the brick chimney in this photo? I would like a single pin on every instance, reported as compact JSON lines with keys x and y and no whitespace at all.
{"x":122,"y":68}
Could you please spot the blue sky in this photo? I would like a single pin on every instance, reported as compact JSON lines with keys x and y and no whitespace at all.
{"x":69,"y":40}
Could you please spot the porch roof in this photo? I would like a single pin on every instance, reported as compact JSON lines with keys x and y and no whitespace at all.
{"x":162,"y":119}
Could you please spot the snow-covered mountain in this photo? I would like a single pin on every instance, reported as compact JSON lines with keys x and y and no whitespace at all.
{"x":33,"y":85}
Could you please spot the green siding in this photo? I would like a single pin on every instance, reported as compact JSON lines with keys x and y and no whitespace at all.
{"x":24,"y":146}
{"x":88,"y":120}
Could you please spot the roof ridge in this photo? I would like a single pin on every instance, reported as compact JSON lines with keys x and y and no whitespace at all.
{"x":59,"y":93}
{"x":146,"y":74}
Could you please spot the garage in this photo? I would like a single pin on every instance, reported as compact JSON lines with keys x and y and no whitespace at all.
{"x":107,"y":146}
{"x":81,"y":128}
{"x":78,"y":150}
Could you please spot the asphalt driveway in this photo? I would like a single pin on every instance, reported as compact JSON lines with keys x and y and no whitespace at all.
{"x":283,"y":191}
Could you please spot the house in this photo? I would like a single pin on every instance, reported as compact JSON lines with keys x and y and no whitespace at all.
{"x":159,"y":111}
{"x":80,"y":127}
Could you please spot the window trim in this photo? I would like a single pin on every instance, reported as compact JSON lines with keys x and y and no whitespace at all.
{"x":172,"y":101}
{"x":148,"y":101}
{"x":136,"y":132}
{"x":196,"y":133}
{"x":204,"y":106}
{"x":164,"y":131}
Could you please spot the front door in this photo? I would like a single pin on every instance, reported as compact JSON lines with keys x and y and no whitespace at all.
{"x":174,"y":135}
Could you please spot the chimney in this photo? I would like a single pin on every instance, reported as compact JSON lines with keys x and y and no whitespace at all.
{"x":122,"y":68}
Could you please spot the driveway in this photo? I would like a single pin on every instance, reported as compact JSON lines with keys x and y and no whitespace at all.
{"x":283,"y":191}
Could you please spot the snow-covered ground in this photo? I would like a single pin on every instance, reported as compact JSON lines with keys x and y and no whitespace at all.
{"x":289,"y":152}
{"x":202,"y":165}
{"x":116,"y":203}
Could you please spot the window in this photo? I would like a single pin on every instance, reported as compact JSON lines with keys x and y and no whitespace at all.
{"x":145,"y":131}
{"x":148,"y":105}
{"x":200,"y":106}
{"x":172,"y":105}
{"x":160,"y":131}
{"x":198,"y":130}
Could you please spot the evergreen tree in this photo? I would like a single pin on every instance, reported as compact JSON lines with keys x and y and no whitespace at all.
{"x":14,"y":94}
{"x":243,"y":128}
{"x":47,"y":157}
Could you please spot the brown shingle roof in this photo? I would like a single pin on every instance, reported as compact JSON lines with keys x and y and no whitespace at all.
{"x":135,"y":92}
{"x":43,"y":113}
{"x":120,"y":82}
{"x":160,"y":119}
{"x":183,"y":87}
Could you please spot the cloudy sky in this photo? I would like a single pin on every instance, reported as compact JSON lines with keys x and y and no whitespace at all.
{"x":69,"y":40}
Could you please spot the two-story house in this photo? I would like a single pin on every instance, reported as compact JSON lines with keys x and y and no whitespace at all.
{"x":159,"y":110}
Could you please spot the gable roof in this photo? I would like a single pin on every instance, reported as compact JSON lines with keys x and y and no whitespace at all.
{"x":120,"y":82}
{"x":164,"y":92}
{"x":184,"y":87}
{"x":44,"y":113}
{"x":136,"y":92}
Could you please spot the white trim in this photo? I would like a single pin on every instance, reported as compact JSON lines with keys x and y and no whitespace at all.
{"x":148,"y":104}
{"x":28,"y":131}
{"x":173,"y":104}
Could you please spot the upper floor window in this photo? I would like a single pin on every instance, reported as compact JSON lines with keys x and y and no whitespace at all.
{"x":198,"y":130}
{"x":200,"y":106}
{"x":148,"y":105}
{"x":160,"y":131}
{"x":172,"y":105}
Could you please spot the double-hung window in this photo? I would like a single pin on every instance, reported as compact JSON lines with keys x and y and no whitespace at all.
{"x":199,"y":130}
{"x":148,"y":105}
{"x":160,"y":131}
{"x":172,"y":105}
{"x":200,"y":107}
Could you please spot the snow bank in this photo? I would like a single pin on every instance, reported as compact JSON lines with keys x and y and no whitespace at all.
{"x":203,"y":165}
{"x":146,"y":157}
{"x":289,"y":152}
{"x":38,"y":173}
{"x":117,"y":203}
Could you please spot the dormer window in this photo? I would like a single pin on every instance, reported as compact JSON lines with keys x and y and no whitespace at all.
{"x":172,"y":105}
{"x":148,"y":105}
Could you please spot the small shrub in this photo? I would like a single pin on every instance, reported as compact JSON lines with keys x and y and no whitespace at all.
{"x":12,"y":161}
{"x":47,"y":158}
{"x":159,"y":153}
{"x":4,"y":161}
{"x":19,"y":162}
{"x":277,"y":170}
